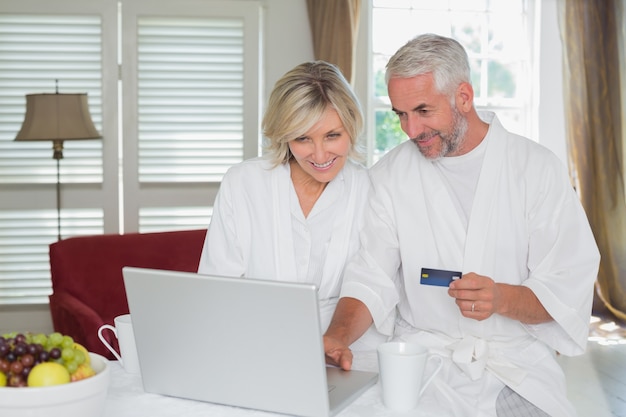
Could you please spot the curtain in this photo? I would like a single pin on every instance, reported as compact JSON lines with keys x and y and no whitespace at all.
{"x":334,"y":26}
{"x":592,"y":32}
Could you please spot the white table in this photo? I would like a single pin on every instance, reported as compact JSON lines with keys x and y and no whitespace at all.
{"x":126,"y":398}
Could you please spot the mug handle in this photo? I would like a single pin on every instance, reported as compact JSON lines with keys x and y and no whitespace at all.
{"x":108,"y":346}
{"x":435,"y":372}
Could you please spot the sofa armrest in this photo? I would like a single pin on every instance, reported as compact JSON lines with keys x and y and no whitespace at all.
{"x":74,"y":318}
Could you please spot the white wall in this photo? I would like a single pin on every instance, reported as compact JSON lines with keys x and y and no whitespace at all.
{"x":34,"y":319}
{"x":550,"y":107}
{"x":288,"y":39}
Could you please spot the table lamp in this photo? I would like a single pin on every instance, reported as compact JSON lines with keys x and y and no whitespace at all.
{"x":57,"y":117}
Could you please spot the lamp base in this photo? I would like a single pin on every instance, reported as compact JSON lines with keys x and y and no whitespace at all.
{"x":57,"y":147}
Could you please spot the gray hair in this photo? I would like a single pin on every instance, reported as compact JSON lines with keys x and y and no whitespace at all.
{"x":298,"y":101}
{"x":444,"y":57}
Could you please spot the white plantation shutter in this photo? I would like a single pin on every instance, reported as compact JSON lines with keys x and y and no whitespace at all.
{"x":190,"y":87}
{"x":169,"y":104}
{"x":37,"y":53}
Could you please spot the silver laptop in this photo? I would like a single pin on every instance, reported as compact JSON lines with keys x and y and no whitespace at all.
{"x":235,"y":341}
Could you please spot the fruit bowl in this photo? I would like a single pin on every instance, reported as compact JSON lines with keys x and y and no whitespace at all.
{"x":84,"y":398}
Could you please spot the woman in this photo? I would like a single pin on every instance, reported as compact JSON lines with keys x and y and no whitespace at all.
{"x":295,"y":213}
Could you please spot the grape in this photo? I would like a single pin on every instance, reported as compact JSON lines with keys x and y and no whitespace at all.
{"x":67,"y":342}
{"x":55,"y":353}
{"x":67,"y":354}
{"x":71,"y":367}
{"x":55,"y":339}
{"x":44,"y":356}
{"x":16,"y":380}
{"x":5,"y":365}
{"x":39,"y":339}
{"x":19,"y":349}
{"x":28,"y":360}
{"x":16,"y":367}
{"x":21,"y":352}
{"x":79,"y":357}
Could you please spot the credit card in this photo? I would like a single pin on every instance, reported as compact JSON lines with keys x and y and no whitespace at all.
{"x":439,"y":277}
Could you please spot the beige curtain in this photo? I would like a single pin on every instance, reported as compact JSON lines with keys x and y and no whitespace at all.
{"x":594,"y":81}
{"x":334,"y":26}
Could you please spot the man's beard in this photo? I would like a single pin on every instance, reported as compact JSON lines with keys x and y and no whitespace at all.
{"x":450,"y":141}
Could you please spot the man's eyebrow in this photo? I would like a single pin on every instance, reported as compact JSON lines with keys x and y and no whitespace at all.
{"x":414,"y":109}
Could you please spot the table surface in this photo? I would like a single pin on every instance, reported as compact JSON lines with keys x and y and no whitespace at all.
{"x":127,"y":398}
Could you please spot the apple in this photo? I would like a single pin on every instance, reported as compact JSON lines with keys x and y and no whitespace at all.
{"x":47,"y":374}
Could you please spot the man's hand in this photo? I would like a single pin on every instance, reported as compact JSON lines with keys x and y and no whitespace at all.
{"x":350,"y":321}
{"x":337,"y":354}
{"x":478,"y":297}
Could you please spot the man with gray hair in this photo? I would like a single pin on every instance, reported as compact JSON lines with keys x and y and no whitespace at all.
{"x":464,"y":194}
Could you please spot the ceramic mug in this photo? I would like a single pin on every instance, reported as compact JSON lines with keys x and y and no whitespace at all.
{"x":123,"y":331}
{"x":402,"y":366}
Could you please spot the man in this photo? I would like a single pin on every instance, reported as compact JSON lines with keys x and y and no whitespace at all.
{"x":463,"y":194}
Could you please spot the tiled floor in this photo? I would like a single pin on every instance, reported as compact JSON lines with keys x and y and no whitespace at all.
{"x":597,"y":380}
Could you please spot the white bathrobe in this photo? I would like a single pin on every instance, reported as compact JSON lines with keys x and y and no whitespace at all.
{"x":526,"y":227}
{"x":258,"y":229}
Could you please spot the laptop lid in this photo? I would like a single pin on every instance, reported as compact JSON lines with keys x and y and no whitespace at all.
{"x":235,"y":341}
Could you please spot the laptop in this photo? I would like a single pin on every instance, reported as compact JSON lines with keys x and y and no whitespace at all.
{"x":234,"y":341}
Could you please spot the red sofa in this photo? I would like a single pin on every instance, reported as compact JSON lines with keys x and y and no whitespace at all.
{"x":87,"y":284}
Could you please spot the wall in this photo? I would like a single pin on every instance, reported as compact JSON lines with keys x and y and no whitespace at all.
{"x":550,"y":109}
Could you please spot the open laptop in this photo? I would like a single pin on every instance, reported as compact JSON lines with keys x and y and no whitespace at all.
{"x":235,"y":341}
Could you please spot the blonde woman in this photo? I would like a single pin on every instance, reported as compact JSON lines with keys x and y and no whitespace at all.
{"x":295,"y":213}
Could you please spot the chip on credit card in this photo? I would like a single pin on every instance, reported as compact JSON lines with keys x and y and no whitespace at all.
{"x":439,"y":277}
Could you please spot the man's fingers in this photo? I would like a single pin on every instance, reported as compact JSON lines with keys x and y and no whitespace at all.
{"x":340,"y":357}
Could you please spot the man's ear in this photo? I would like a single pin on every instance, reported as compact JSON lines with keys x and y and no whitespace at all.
{"x":464,"y":97}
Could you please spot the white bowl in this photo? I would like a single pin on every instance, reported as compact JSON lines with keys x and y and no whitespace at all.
{"x":84,"y":398}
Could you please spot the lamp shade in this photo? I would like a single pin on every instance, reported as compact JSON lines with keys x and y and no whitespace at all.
{"x":57,"y":117}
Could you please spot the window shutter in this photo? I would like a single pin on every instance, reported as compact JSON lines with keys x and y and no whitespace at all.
{"x":36,"y":52}
{"x":190,"y":97}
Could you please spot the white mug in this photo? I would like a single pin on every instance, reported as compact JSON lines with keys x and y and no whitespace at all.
{"x":123,"y":331}
{"x":401,"y":366}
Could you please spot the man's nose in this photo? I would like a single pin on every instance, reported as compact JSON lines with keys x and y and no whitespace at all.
{"x":412,"y":126}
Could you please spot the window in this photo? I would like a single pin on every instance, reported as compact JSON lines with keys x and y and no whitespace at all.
{"x":497,"y":37}
{"x":165,"y":83}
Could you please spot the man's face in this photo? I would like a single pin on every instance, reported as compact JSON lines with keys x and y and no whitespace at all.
{"x":427,"y":116}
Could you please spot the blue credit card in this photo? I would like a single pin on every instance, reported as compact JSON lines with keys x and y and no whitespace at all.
{"x":439,"y":277}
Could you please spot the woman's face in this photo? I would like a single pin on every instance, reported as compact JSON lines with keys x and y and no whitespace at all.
{"x":322,"y":151}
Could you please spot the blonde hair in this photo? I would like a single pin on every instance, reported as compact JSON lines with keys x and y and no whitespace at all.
{"x":298,"y":101}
